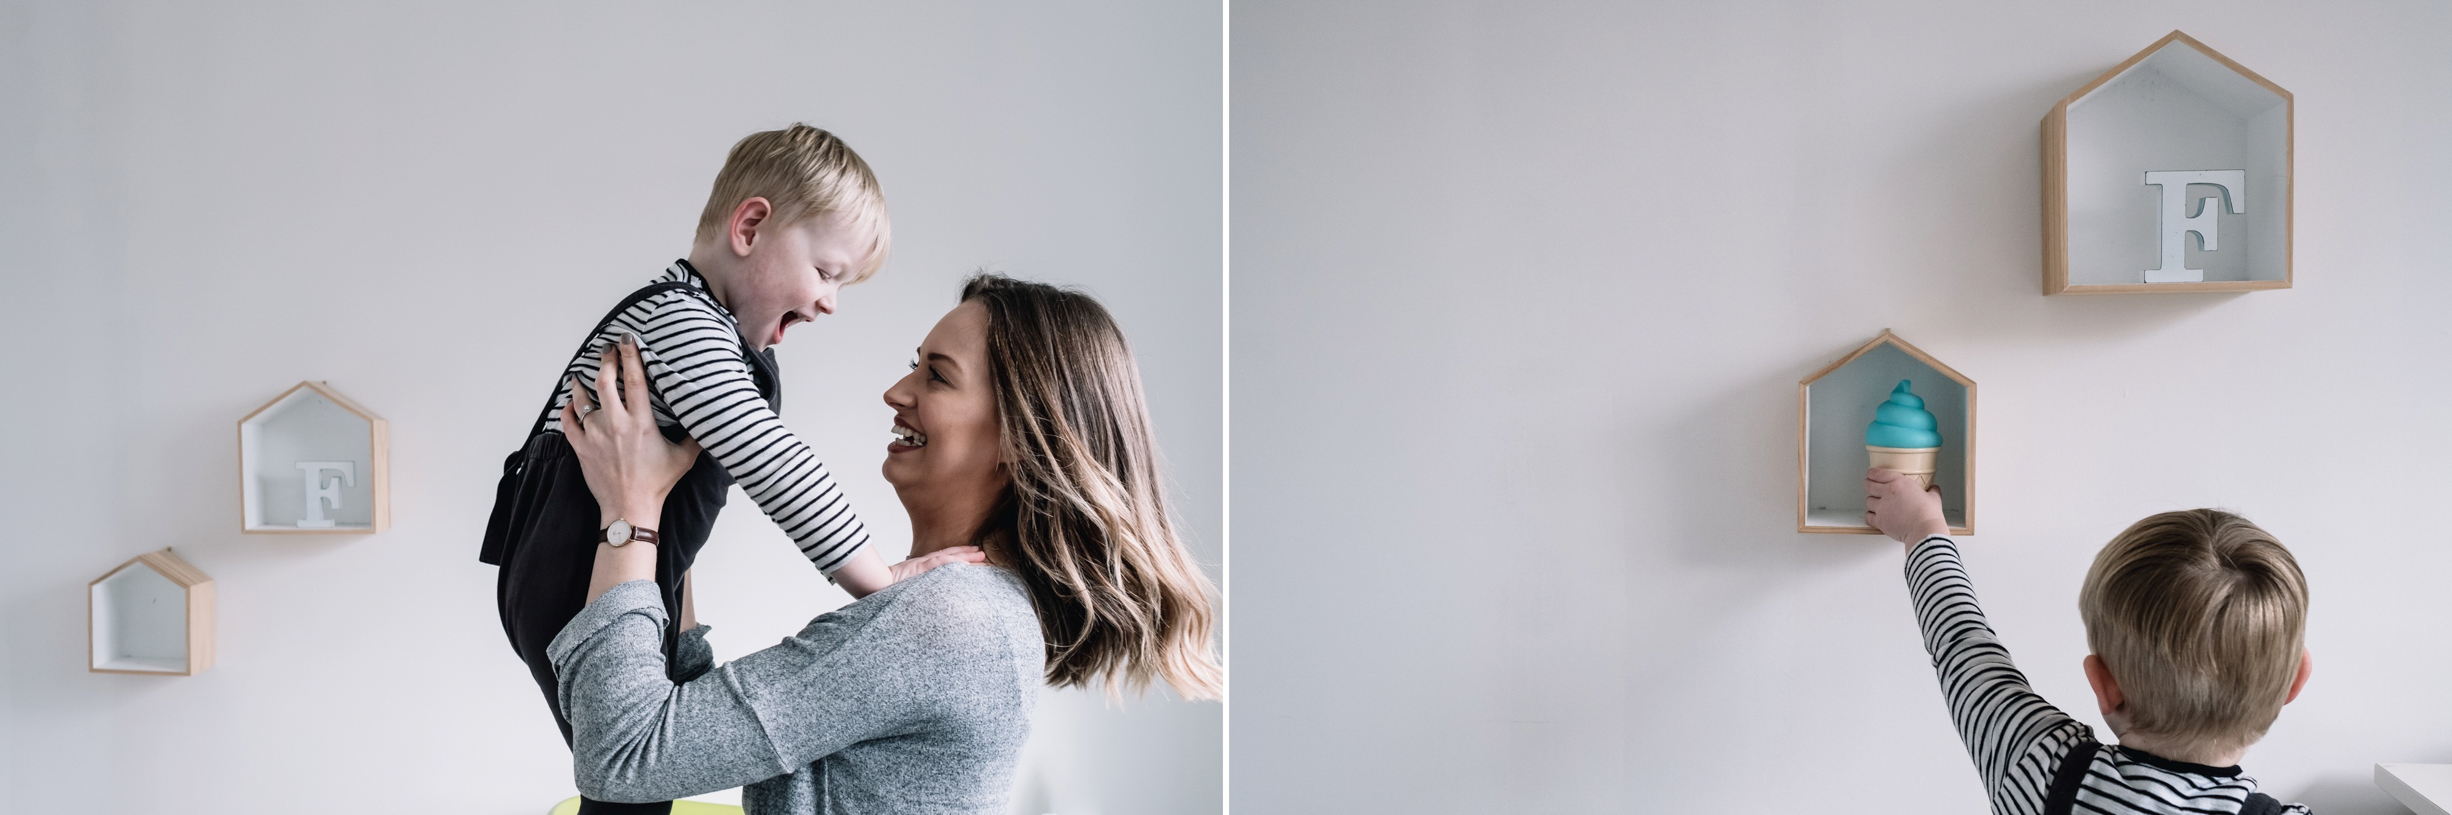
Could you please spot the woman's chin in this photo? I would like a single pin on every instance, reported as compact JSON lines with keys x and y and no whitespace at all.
{"x":899,"y":469}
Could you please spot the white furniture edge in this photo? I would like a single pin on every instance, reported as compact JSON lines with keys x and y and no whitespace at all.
{"x":2390,"y":778}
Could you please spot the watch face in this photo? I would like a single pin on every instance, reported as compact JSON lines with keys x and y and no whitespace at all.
{"x":618,"y":533}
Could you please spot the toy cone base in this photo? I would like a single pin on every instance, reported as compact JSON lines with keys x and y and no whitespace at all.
{"x":1916,"y":462}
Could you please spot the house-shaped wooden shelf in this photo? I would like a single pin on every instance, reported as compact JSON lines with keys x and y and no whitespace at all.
{"x":2181,"y":109}
{"x":313,"y":462}
{"x":152,"y":615}
{"x":1835,"y":404}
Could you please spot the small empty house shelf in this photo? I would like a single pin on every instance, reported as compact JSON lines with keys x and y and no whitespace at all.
{"x":152,"y":615}
{"x":2169,"y":173}
{"x":1837,"y":403}
{"x":313,"y":462}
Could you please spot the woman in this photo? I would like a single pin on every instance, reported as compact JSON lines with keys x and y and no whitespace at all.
{"x":1021,"y":441}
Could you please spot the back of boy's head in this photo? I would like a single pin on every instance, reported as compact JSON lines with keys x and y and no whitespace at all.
{"x":2199,"y":615}
{"x":802,"y":172}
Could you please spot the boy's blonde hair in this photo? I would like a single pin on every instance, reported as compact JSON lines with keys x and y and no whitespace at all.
{"x":803,"y":172}
{"x":2199,"y":615}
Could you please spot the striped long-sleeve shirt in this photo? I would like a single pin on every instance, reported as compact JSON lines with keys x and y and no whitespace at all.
{"x":2018,"y":740}
{"x":698,"y":379}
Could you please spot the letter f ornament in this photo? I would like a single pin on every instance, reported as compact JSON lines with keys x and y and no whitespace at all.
{"x":2177,"y":223}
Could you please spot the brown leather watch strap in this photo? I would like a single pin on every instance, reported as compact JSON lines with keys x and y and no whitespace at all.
{"x":615,"y":536}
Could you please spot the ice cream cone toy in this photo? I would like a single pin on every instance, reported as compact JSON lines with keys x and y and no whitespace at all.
{"x":1903,"y":436}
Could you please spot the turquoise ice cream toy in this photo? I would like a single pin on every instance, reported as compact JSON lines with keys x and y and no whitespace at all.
{"x":1903,"y":437}
{"x":1902,"y":422}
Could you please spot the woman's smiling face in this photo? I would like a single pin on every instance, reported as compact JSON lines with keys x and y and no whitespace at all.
{"x":945,"y":455}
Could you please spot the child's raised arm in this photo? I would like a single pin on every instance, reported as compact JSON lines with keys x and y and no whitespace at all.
{"x":694,"y":370}
{"x":2016,"y":739}
{"x":699,"y":378}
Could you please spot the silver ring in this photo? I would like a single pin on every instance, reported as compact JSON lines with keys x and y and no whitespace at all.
{"x":584,"y":410}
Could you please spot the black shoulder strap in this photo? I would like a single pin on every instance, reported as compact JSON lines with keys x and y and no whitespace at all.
{"x":2261,"y":804}
{"x":651,"y":290}
{"x":2061,"y":797}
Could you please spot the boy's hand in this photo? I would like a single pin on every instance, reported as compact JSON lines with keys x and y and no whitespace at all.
{"x":1896,"y":505}
{"x":866,"y":574}
{"x":920,"y":565}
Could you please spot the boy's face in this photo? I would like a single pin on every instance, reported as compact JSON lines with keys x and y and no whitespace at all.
{"x":791,"y":275}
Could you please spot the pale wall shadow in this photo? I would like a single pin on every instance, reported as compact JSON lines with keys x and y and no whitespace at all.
{"x":1735,"y":504}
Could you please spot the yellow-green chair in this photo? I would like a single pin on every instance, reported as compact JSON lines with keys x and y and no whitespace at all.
{"x":571,"y":807}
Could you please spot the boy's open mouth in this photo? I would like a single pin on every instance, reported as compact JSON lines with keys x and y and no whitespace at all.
{"x":789,"y":317}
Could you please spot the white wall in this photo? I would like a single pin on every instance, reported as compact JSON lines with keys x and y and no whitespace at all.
{"x":1521,"y":293}
{"x":426,"y":205}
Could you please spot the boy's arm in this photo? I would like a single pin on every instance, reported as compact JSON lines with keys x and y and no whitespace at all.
{"x":861,"y":573}
{"x":2016,"y":739}
{"x":694,"y":366}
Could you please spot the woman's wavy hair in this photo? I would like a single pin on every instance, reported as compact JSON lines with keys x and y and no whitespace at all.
{"x":1119,"y":599}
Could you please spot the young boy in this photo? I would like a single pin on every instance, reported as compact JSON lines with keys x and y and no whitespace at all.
{"x":2195,"y":619}
{"x":795,"y":216}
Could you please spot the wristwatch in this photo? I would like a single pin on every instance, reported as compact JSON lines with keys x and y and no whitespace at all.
{"x":621,"y":533}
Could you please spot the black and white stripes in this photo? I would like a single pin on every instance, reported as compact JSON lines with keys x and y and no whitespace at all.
{"x":2016,"y":738}
{"x":699,"y":380}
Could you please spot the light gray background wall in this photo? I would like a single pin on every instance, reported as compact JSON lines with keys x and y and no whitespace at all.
{"x":1521,"y":293}
{"x":426,"y":204}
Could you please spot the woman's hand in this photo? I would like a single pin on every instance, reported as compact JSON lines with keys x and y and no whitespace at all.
{"x":628,"y":464}
{"x":1899,"y":507}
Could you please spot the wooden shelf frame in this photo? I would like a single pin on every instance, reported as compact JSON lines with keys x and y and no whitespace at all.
{"x":2056,"y":227}
{"x":378,"y":477}
{"x":1965,"y":437}
{"x":103,"y":628}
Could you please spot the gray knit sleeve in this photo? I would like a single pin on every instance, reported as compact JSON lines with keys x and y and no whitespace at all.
{"x":694,"y":656}
{"x":905,"y":660}
{"x":636,"y":736}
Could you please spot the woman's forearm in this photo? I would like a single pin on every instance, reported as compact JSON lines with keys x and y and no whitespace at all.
{"x":628,"y":464}
{"x":636,"y":734}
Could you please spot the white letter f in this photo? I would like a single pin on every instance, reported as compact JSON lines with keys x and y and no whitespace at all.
{"x":2177,"y":223}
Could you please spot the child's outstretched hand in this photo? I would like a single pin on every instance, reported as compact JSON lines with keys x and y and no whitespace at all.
{"x":866,"y":573}
{"x":1901,"y":508}
{"x":917,"y":566}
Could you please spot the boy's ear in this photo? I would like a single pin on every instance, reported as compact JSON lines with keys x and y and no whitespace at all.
{"x":742,"y":231}
{"x":2106,"y":689}
{"x":2307,"y":665}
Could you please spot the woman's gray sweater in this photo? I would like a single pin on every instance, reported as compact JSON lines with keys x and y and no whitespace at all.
{"x":915,"y":699}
